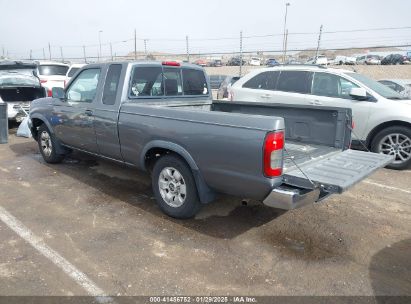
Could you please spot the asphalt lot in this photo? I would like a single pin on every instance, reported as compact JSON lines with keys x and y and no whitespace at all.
{"x":101,"y":218}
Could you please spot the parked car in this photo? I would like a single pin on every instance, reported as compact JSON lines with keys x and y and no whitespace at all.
{"x":369,"y":60}
{"x":223,"y":90}
{"x":19,"y":85}
{"x":320,"y":60}
{"x":271,"y":62}
{"x":201,"y":62}
{"x":401,"y":86}
{"x":254,"y":61}
{"x":160,"y":117}
{"x":73,"y":70}
{"x":382,"y":117}
{"x":52,"y":74}
{"x":235,"y":61}
{"x":216,"y":63}
{"x":395,"y":59}
{"x":216,"y":80}
{"x":348,"y":60}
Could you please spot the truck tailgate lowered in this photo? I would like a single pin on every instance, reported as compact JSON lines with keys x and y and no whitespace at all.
{"x":337,"y":172}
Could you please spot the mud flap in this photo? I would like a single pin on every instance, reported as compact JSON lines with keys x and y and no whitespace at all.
{"x":338,"y":172}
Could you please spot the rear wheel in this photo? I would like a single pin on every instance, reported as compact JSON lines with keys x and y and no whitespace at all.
{"x":174,"y":187}
{"x":47,"y":145}
{"x":395,"y":141}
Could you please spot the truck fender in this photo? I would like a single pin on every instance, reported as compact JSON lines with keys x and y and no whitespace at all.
{"x":205,"y":194}
{"x":59,"y":148}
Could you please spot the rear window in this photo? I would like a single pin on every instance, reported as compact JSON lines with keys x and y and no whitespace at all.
{"x":72,"y":72}
{"x":194,"y":82}
{"x":51,"y":70}
{"x":167,"y":81}
{"x":295,"y":81}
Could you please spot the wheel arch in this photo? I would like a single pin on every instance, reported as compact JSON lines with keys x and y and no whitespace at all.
{"x":157,"y":148}
{"x":383,"y":126}
{"x":36,"y":121}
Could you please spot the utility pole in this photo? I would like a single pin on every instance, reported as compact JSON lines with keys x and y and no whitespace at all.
{"x":99,"y":42}
{"x":111,"y":51}
{"x":31,"y":55}
{"x":285,"y":46}
{"x":241,"y":53}
{"x":145,"y":48}
{"x":318,"y":44}
{"x":49,"y":51}
{"x":84,"y":53}
{"x":61,"y":53}
{"x":135,"y":44}
{"x":44,"y":54}
{"x":187,"y":49}
{"x":285,"y":27}
{"x":3,"y":51}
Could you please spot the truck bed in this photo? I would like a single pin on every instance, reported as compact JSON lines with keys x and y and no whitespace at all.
{"x":302,"y":153}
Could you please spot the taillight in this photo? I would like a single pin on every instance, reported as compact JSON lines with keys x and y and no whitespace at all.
{"x":49,"y":93}
{"x":273,"y":154}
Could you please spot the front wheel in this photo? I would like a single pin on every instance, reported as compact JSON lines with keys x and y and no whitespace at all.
{"x":395,"y":141}
{"x":47,"y":145}
{"x":174,"y":187}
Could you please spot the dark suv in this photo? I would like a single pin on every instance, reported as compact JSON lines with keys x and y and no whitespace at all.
{"x":394,"y":59}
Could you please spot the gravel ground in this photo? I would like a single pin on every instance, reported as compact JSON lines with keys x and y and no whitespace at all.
{"x":102,"y":219}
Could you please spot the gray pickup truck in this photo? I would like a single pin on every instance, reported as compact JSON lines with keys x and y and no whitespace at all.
{"x":160,"y":117}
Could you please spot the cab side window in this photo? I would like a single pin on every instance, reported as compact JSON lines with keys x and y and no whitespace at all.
{"x":111,"y":84}
{"x":84,"y":87}
{"x":330,"y":85}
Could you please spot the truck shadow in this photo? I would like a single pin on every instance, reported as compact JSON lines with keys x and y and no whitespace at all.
{"x":225,"y":218}
{"x":390,"y":271}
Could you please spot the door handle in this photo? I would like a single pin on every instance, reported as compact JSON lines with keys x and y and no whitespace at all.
{"x":265,"y":96}
{"x":88,"y":112}
{"x":316,"y":102}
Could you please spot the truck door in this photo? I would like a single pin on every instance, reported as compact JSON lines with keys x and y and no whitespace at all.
{"x":75,"y":127}
{"x":106,"y":113}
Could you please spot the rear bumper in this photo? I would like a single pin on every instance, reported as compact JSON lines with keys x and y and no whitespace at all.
{"x":291,"y":198}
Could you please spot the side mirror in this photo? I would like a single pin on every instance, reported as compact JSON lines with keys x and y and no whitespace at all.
{"x":58,"y":93}
{"x":358,"y":93}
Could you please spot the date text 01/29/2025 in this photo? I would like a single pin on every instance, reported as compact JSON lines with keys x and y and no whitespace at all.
{"x":203,"y":299}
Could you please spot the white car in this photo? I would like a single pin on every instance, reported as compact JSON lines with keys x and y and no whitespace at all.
{"x":340,"y":60}
{"x":401,"y":86}
{"x":382,"y":118}
{"x":52,"y":74}
{"x":255,"y":61}
{"x":72,"y":70}
{"x":320,"y":60}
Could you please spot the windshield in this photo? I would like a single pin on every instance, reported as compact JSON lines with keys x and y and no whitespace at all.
{"x":377,"y":87}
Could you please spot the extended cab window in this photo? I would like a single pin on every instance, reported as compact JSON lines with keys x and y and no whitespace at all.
{"x":295,"y":82}
{"x":330,"y":85}
{"x":111,"y":84}
{"x":147,"y":81}
{"x":263,"y":81}
{"x":194,"y":82}
{"x":84,"y":87}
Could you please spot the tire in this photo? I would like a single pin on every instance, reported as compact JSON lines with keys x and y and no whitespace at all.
{"x":170,"y":174}
{"x":47,"y":145}
{"x":394,"y":141}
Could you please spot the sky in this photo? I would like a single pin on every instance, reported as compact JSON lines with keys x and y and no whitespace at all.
{"x":212,"y":26}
